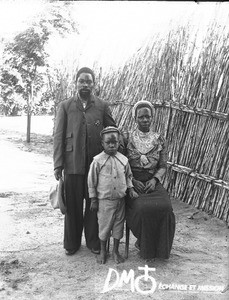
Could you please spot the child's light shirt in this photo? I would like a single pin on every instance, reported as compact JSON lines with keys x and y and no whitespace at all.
{"x":109,"y":176}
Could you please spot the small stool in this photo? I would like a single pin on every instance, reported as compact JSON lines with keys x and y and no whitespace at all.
{"x":127,"y":241}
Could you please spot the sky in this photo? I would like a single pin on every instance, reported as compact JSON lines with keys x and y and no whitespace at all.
{"x":110,"y":31}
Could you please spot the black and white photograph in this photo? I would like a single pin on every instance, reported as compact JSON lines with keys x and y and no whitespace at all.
{"x":114,"y":150}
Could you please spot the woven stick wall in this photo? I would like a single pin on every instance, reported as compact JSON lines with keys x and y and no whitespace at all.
{"x":188,"y":83}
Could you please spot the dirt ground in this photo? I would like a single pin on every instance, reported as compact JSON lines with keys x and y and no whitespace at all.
{"x":32,"y":260}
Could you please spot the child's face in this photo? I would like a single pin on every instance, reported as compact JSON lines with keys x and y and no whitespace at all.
{"x":110,"y":143}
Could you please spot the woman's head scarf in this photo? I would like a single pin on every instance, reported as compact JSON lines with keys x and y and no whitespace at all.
{"x":140,"y":104}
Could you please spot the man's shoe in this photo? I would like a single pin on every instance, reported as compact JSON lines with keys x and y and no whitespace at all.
{"x":70,"y":251}
{"x":94,"y":251}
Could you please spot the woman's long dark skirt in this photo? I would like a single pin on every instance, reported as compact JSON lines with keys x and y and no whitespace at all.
{"x":151,"y":219}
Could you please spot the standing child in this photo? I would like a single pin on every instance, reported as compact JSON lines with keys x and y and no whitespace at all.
{"x":109,"y":178}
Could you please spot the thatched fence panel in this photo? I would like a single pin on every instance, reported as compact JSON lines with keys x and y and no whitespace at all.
{"x":189,"y":88}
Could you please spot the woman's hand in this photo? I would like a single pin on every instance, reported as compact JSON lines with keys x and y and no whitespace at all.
{"x":139,"y":186}
{"x":150,"y":185}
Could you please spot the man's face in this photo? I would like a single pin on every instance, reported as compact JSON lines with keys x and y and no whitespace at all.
{"x":144,"y":118}
{"x":84,"y":85}
{"x":110,"y":143}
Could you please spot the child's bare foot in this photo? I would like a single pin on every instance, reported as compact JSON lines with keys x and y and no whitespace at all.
{"x":101,"y":259}
{"x":117,"y":257}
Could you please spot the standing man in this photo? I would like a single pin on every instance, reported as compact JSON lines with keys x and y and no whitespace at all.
{"x":79,"y":122}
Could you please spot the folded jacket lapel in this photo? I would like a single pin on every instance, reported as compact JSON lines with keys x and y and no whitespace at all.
{"x":79,"y":105}
{"x":90,"y":102}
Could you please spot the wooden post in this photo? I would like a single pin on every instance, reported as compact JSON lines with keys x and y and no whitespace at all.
{"x":28,"y":125}
{"x":29,"y":112}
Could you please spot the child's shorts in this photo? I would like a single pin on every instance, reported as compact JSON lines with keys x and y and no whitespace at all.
{"x":111,"y":217}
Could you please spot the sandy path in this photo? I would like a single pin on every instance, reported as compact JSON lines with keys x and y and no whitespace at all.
{"x":23,"y":171}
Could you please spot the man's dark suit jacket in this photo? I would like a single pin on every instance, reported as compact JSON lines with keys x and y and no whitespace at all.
{"x":77,"y":133}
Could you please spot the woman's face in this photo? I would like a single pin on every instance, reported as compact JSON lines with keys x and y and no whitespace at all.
{"x":144,"y":118}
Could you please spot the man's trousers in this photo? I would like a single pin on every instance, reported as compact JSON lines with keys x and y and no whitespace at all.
{"x":75,"y":218}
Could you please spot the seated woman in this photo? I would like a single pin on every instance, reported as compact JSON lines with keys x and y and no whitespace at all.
{"x":150,"y":217}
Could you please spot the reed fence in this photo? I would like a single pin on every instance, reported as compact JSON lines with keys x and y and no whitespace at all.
{"x":187,"y":82}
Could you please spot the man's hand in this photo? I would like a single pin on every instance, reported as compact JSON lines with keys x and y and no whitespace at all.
{"x":58,"y":173}
{"x":150,"y":185}
{"x":133,"y":194}
{"x":139,"y":186}
{"x":94,"y":204}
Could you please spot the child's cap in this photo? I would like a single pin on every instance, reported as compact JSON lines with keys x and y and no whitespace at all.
{"x":109,"y":129}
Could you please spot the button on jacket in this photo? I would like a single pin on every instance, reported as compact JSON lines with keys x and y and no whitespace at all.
{"x":109,"y":176}
{"x":77,"y":133}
